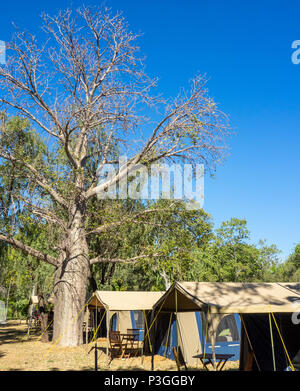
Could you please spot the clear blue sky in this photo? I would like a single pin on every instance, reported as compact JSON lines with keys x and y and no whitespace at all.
{"x":245,"y":50}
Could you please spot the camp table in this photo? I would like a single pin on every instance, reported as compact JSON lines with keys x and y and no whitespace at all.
{"x":221,"y":358}
{"x":129,"y":339}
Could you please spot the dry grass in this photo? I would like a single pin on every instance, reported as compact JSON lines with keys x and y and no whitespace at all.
{"x":21,"y":354}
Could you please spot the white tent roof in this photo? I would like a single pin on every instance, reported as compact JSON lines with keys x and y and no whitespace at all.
{"x":2,"y":312}
{"x":125,"y":300}
{"x":231,"y":297}
{"x":34,"y":300}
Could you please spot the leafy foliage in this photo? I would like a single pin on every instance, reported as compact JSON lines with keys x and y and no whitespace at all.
{"x":290,"y":270}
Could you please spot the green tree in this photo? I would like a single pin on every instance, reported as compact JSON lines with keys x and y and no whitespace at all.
{"x":289,"y":271}
{"x":230,"y":257}
{"x":169,"y":237}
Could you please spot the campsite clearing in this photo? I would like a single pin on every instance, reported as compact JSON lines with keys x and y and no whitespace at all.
{"x":19,"y":354}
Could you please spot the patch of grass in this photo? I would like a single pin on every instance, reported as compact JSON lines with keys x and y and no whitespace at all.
{"x":18,"y":353}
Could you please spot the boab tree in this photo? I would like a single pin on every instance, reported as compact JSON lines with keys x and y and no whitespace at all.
{"x":85,"y":93}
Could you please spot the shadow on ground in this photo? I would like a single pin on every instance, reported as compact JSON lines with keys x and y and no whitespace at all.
{"x":2,"y":354}
{"x":8,"y":334}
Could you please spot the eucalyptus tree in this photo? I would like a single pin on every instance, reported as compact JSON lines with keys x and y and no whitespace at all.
{"x":169,"y":237}
{"x":289,"y":270}
{"x":230,"y":256}
{"x":82,"y":86}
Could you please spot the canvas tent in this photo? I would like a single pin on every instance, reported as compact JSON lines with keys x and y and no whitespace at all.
{"x":34,"y":300}
{"x":254,"y":302}
{"x":122,"y":310}
{"x":2,"y":312}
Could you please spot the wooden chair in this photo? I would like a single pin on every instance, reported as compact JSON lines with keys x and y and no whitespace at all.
{"x":249,"y":362}
{"x":179,"y":358}
{"x":118,"y":348}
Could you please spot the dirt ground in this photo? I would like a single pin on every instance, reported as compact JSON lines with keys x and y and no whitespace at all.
{"x":18,"y":353}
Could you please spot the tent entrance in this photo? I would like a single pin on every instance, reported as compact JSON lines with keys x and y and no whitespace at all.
{"x":267,"y":347}
{"x":227,"y":335}
{"x":193,"y":337}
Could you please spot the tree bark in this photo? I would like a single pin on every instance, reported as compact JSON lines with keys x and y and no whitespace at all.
{"x":70,"y":285}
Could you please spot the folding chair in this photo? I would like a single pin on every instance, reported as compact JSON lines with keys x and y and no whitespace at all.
{"x":117,"y":348}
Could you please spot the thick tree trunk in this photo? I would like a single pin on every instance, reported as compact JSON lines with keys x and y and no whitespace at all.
{"x":71,"y":285}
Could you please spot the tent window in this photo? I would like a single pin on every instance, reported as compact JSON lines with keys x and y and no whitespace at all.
{"x":138,"y":319}
{"x":227,"y":329}
{"x":166,"y":331}
{"x":113,"y":322}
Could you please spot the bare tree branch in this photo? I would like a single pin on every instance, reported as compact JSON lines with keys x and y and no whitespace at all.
{"x":29,"y":250}
{"x":126,"y":219}
{"x":43,"y":212}
{"x":132,"y":260}
{"x":193,"y":130}
{"x":40,"y":180}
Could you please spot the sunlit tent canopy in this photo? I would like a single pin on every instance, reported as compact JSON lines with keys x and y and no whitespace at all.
{"x":125,"y":300}
{"x":33,"y":300}
{"x":121,"y":310}
{"x":269,"y":337}
{"x":231,"y":297}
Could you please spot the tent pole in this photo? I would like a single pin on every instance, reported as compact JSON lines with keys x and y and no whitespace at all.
{"x":143,"y":341}
{"x":272,"y":342}
{"x":107,"y":330}
{"x":152,"y":349}
{"x":87,"y":326}
{"x":176,"y":321}
{"x":213,"y":337}
{"x":168,"y":334}
{"x":148,"y":333}
{"x":205,"y":339}
{"x":145,"y":321}
{"x":286,"y":352}
{"x":96,"y":321}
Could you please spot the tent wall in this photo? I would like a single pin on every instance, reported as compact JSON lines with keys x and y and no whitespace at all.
{"x":189,"y":336}
{"x":116,"y":320}
{"x":124,"y":321}
{"x":166,"y":332}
